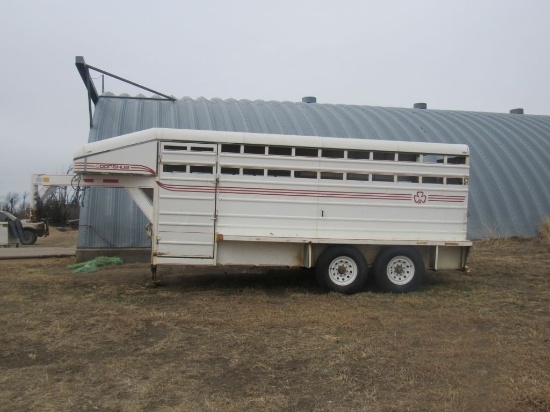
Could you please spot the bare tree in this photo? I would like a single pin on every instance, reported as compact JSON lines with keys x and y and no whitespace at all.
{"x":23,"y":206}
{"x":61,"y":205}
{"x":12,"y":198}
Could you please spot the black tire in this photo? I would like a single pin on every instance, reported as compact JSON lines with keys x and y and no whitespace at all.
{"x":399,"y":269}
{"x":342,"y":269}
{"x":29,"y":237}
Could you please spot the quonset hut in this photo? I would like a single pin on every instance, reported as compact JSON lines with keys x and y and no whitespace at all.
{"x":510,"y":153}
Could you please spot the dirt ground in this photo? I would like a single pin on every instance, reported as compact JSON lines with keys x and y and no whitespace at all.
{"x":273,"y":342}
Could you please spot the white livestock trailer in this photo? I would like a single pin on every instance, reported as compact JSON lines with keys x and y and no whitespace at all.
{"x":348,"y":207}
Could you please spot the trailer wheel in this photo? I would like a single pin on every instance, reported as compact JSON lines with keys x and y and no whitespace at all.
{"x":29,"y":237}
{"x":342,"y":269}
{"x":399,"y":269}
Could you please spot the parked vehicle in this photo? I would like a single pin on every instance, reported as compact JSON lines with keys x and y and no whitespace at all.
{"x":348,"y":207}
{"x":31,"y":230}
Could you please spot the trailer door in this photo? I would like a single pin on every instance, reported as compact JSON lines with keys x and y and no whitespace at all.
{"x":186,"y":200}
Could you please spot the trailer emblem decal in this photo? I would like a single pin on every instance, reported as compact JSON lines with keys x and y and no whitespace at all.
{"x":420,"y":198}
{"x":119,"y":167}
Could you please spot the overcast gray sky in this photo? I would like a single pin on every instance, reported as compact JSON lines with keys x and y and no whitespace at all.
{"x":479,"y":55}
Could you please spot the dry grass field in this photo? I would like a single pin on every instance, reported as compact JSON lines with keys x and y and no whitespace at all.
{"x":272,"y":342}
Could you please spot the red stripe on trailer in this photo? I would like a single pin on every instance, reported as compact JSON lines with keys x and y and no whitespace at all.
{"x":285,"y":193}
{"x":88,"y":180}
{"x":110,"y":180}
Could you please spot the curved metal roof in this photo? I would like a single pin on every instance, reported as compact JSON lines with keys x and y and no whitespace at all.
{"x":510,"y":153}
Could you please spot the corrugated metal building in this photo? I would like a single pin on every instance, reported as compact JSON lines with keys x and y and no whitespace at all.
{"x":510,"y":153}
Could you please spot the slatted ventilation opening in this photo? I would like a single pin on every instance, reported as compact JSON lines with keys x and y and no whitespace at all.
{"x":305,"y":174}
{"x":382,"y":178}
{"x":390,"y":156}
{"x":231,"y":148}
{"x":278,"y":173}
{"x":359,"y":154}
{"x":230,"y":171}
{"x":306,"y":152}
{"x":332,"y":153}
{"x":179,"y":168}
{"x":332,"y":176}
{"x":357,"y":158}
{"x":252,"y":149}
{"x":253,"y":172}
{"x":433,"y":158}
{"x":279,"y":151}
{"x":169,"y":148}
{"x":407,"y":157}
{"x":202,"y":149}
{"x":167,"y":168}
{"x":360,"y":177}
{"x":201,"y":169}
{"x":455,"y":181}
{"x":433,"y":180}
{"x":456,"y":160}
{"x":179,"y":148}
{"x":408,"y":179}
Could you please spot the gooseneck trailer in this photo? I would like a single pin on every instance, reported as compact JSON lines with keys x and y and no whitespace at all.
{"x":351,"y":208}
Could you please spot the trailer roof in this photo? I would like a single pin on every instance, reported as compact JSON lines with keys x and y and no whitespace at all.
{"x":157,"y":134}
